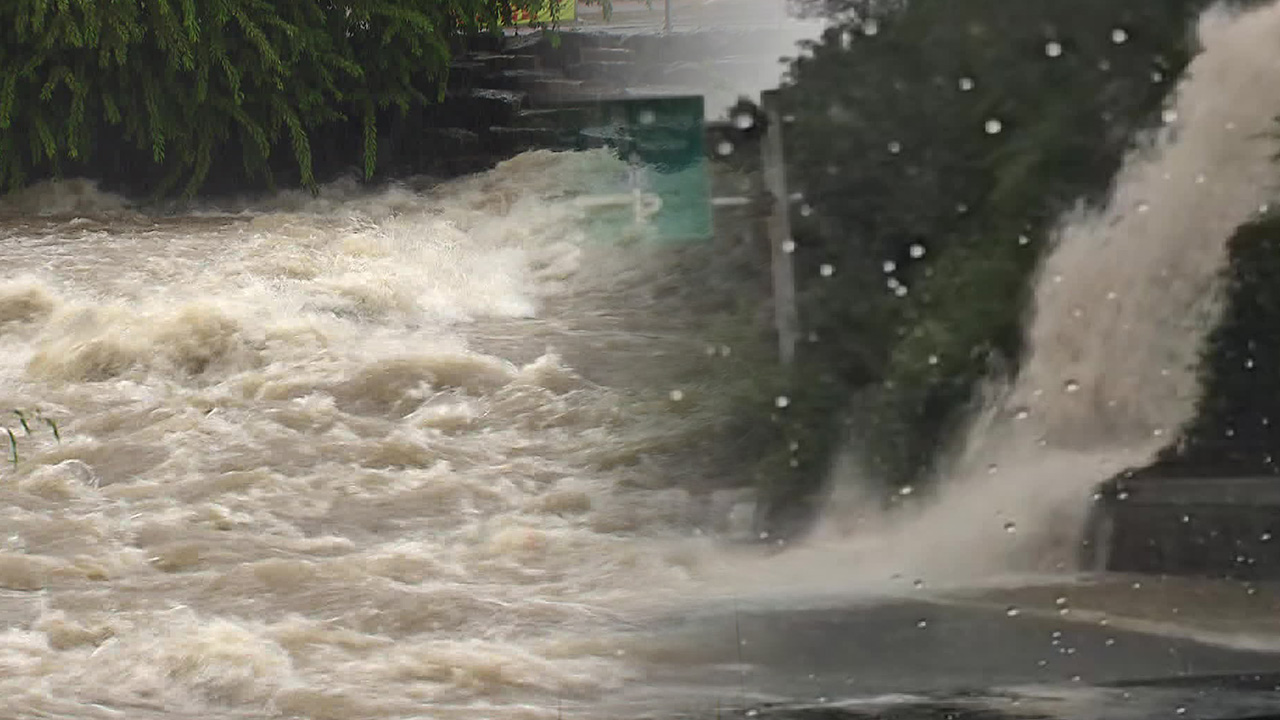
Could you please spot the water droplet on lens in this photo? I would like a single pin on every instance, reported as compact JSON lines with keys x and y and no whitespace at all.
{"x":1119,"y":36}
{"x":724,"y":148}
{"x":788,"y":246}
{"x":1060,"y":601}
{"x":966,"y":84}
{"x":889,"y":266}
{"x":1022,"y":414}
{"x":1024,"y":240}
{"x":993,"y":126}
{"x":918,"y":584}
{"x":895,"y":147}
{"x":1109,"y":642}
{"x":1053,"y":49}
{"x":922,"y":623}
{"x":826,"y":270}
{"x":677,"y":395}
{"x":744,"y":121}
{"x":900,"y":291}
{"x":806,"y":210}
{"x":992,"y":469}
{"x":906,"y":490}
{"x":1169,"y":115}
{"x":1012,"y":611}
{"x":648,"y":117}
{"x":1180,"y":710}
{"x":782,"y":401}
{"x":1071,"y":386}
{"x":870,"y":28}
{"x":1011,"y":527}
{"x":917,"y":251}
{"x":933,"y":359}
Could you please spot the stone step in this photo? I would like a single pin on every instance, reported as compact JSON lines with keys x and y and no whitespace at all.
{"x":606,"y":54}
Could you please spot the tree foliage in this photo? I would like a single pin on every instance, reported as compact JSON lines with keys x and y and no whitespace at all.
{"x":186,"y":80}
{"x":936,"y":143}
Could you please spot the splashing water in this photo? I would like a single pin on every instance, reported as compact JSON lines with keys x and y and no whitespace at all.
{"x":1122,"y":304}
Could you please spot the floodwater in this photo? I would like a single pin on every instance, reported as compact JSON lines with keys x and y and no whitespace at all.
{"x":348,"y":456}
{"x":432,"y":450}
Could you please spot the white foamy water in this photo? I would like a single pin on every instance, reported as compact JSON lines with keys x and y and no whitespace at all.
{"x":1122,"y":305}
{"x":326,"y":457}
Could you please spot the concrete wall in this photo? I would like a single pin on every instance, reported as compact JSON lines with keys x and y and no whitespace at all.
{"x":1226,"y":527}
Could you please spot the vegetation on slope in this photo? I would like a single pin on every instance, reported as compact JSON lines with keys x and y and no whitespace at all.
{"x":184,"y":83}
{"x":936,"y":143}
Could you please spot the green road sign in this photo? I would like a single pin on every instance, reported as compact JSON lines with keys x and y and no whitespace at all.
{"x":665,"y":193}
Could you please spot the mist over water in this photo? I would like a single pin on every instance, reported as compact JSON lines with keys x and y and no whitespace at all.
{"x":1122,"y":304}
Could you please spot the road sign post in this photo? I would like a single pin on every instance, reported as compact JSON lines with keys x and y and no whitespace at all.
{"x":786,"y":316}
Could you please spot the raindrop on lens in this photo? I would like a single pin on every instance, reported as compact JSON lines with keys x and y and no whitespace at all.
{"x":933,"y":359}
{"x":677,"y":395}
{"x":993,"y":126}
{"x":1011,"y":527}
{"x":1071,"y":386}
{"x":906,"y":490}
{"x":890,"y":266}
{"x":918,"y":584}
{"x":1169,"y":115}
{"x":966,"y":84}
{"x":900,"y":291}
{"x":806,"y":210}
{"x":744,"y":121}
{"x":1012,"y":612}
{"x":1024,"y":240}
{"x":1119,"y":36}
{"x":922,"y":623}
{"x":788,"y":246}
{"x":827,"y":270}
{"x":724,"y":148}
{"x":870,"y":28}
{"x":782,"y":401}
{"x":917,"y":251}
{"x":1053,"y":49}
{"x":895,"y":147}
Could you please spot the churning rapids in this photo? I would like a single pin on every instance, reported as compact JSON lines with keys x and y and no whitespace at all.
{"x":317,"y":458}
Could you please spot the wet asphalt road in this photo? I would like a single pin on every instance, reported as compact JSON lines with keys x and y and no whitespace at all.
{"x":904,"y":647}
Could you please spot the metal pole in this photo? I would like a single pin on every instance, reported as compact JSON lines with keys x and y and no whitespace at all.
{"x":786,"y":316}
{"x":666,"y":22}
